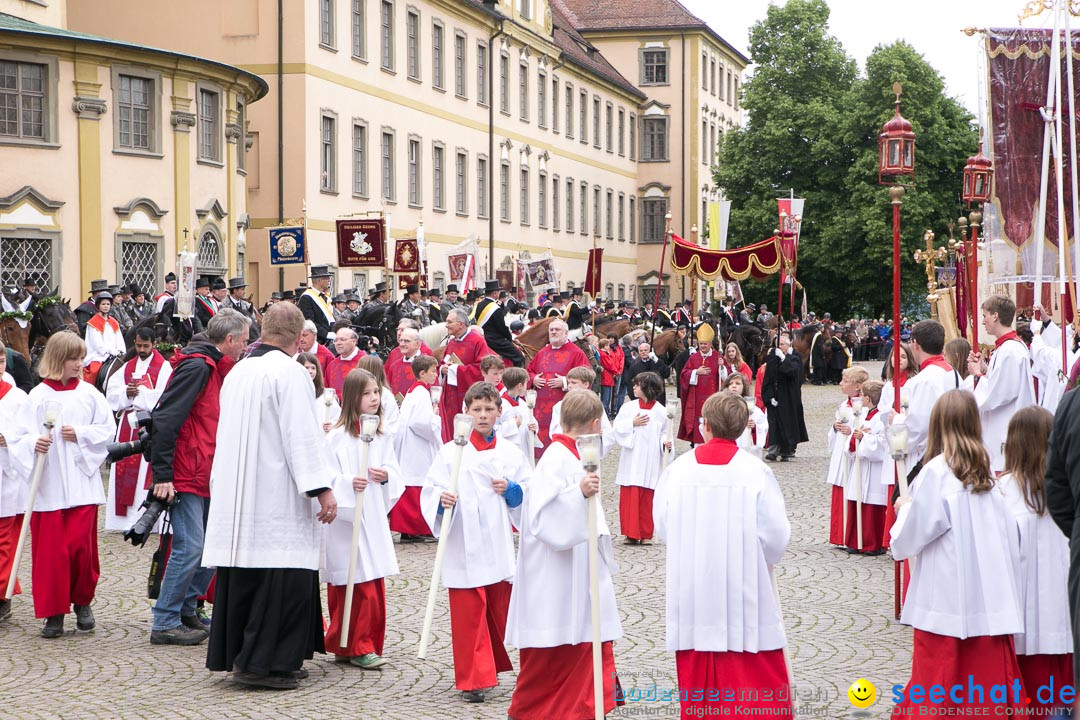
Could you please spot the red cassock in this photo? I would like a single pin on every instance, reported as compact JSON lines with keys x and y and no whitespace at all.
{"x":836,"y":516}
{"x":557,"y":682}
{"x":324,"y":355}
{"x":477,"y":627}
{"x":873,"y":522}
{"x":399,"y":374}
{"x":469,"y":349}
{"x":337,"y":369}
{"x":548,"y":363}
{"x":367,"y":620}
{"x":1042,"y":672}
{"x":9,"y":538}
{"x":694,"y":396}
{"x":706,"y":678}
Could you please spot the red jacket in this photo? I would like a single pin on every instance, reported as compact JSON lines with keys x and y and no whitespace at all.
{"x":611,"y":363}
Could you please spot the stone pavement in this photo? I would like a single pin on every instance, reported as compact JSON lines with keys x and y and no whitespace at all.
{"x":838,"y":610}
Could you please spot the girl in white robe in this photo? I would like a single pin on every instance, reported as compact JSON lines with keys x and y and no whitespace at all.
{"x":871,"y":453}
{"x":840,"y":458}
{"x":641,"y":431}
{"x":14,"y":425}
{"x":417,"y":442}
{"x":964,"y":601}
{"x":1044,"y":648}
{"x":754,"y":436}
{"x":381,"y":488}
{"x":391,"y":414}
{"x":327,"y":408}
{"x":64,"y":524}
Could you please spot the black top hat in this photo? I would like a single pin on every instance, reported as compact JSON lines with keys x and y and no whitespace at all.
{"x":28,"y":281}
{"x":202,"y":282}
{"x":514,"y":289}
{"x":288,"y":295}
{"x":626,"y":304}
{"x":114,"y":289}
{"x":235,"y":283}
{"x":577,"y":291}
{"x":339,"y":299}
{"x":687,"y":303}
{"x":472,"y":295}
{"x":353,"y":297}
{"x":134,"y":288}
{"x":170,"y":277}
{"x":103,"y":295}
{"x":319,"y":271}
{"x":434,"y":292}
{"x":490,"y":286}
{"x":380,"y":287}
{"x":451,"y":288}
{"x":217,"y":284}
{"x":503,"y":294}
{"x":551,"y":291}
{"x":609,"y":305}
{"x":412,"y":288}
{"x":276,"y":295}
{"x":97,"y":286}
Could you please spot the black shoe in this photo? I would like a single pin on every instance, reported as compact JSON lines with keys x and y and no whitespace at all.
{"x":875,"y":553}
{"x":771,"y":457}
{"x":5,"y":610}
{"x":409,"y":538}
{"x":853,"y":551}
{"x":181,"y":635}
{"x":272,"y":681}
{"x":301,"y":674}
{"x":193,"y":622}
{"x":54,"y":627}
{"x":84,"y":617}
{"x":473,"y":696}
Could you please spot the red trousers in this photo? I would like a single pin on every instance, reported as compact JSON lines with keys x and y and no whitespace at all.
{"x":367,"y":621}
{"x":873,"y":520}
{"x":890,"y":519}
{"x":836,"y":516}
{"x":635,"y":512}
{"x":9,"y":538}
{"x":65,"y":554}
{"x":405,"y":516}
{"x":557,"y":682}
{"x":477,"y":628}
{"x":705,"y":677}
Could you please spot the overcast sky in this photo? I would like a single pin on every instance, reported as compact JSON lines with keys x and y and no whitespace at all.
{"x":932,"y":27}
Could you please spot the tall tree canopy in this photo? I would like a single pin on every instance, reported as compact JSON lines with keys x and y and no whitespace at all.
{"x":812,"y":125}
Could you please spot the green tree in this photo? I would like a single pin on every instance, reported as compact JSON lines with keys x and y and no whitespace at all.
{"x":812,"y":125}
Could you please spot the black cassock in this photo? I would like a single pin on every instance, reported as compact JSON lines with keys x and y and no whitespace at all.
{"x":1063,"y":500}
{"x":783,"y":382}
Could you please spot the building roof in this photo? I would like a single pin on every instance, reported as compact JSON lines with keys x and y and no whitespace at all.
{"x":580,"y":51}
{"x":16,"y":25}
{"x":601,"y":15}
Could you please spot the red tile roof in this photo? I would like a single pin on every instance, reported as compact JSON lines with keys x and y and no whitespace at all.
{"x":577,"y":50}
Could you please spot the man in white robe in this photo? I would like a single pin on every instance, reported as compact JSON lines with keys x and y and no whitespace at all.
{"x":1005,"y":385}
{"x":135,"y":387}
{"x":1045,"y":349}
{"x":262,"y":534}
{"x":14,"y":425}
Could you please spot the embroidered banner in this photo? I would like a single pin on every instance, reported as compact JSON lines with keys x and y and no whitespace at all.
{"x":594,"y":274}
{"x":406,"y":256}
{"x":758,"y":260}
{"x":361,"y":243}
{"x":287,"y":245}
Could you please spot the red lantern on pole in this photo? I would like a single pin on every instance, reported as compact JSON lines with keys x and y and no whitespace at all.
{"x":978,"y":181}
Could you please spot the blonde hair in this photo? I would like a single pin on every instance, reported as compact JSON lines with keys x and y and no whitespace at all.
{"x":738,"y":353}
{"x":725,"y":414}
{"x":872,"y":390}
{"x":374,"y":365}
{"x":580,"y":408}
{"x":956,"y":432}
{"x":856,"y":374}
{"x":352,"y":391}
{"x":582,"y":374}
{"x":61,"y":347}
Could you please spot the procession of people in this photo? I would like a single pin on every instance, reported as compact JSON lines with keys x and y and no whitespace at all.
{"x":285,"y":452}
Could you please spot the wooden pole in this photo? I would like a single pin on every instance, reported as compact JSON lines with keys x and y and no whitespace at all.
{"x":594,"y":609}
{"x":660,"y":276}
{"x":35,"y":484}
{"x":357,"y":521}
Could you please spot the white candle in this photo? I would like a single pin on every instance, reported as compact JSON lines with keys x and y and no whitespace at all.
{"x":590,"y":455}
{"x":530,"y":398}
{"x":898,"y":439}
{"x":52,"y":412}
{"x":856,"y":405}
{"x":369,"y":425}
{"x":436,"y":394}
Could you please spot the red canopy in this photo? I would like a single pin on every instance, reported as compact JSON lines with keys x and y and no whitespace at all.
{"x":758,"y":260}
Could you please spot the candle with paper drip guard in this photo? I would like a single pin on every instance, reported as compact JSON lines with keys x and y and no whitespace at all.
{"x":672,"y":409}
{"x":329,"y":397}
{"x":436,"y":394}
{"x":589,"y":447}
{"x":846,"y":416}
{"x":897,"y":435}
{"x":463,"y":427}
{"x":530,"y":402}
{"x":369,"y":425}
{"x":52,"y":418}
{"x":856,"y":409}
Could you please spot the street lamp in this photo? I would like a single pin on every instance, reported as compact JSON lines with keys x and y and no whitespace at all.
{"x":978,"y":179}
{"x":896,"y":160}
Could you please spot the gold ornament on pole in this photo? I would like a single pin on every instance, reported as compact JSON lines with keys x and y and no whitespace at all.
{"x":929,"y":256}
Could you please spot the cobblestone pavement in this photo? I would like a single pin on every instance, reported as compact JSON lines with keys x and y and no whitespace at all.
{"x":838,"y":610}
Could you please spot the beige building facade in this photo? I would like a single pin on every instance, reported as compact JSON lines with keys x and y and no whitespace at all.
{"x":383,"y":106}
{"x":115,"y":155}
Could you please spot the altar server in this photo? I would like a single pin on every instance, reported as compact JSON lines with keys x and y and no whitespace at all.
{"x":391,"y":414}
{"x":964,"y":601}
{"x":582,"y":378}
{"x":753,"y":437}
{"x":871,"y":450}
{"x":14,"y":425}
{"x":840,"y":457}
{"x":64,"y":524}
{"x":418,"y":440}
{"x":641,"y":431}
{"x":555,"y":638}
{"x":478,"y":564}
{"x":723,"y":617}
{"x":381,"y":487}
{"x":516,"y":422}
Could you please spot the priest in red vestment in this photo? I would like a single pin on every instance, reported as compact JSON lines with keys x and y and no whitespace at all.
{"x":547,"y":373}
{"x":460,"y":368}
{"x":348,"y":356}
{"x":399,"y":374}
{"x":699,"y":379}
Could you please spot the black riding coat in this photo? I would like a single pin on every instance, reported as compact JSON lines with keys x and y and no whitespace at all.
{"x":783,"y":383}
{"x":1063,"y":499}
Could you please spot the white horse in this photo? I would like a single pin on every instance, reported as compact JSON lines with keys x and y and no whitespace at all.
{"x":434,"y":335}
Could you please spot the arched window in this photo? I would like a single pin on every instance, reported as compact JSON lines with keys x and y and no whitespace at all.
{"x":210,"y":260}
{"x":609,"y":291}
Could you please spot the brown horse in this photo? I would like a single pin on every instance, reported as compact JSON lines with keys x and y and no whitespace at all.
{"x":667,"y":345}
{"x":15,"y":337}
{"x":617,"y":327}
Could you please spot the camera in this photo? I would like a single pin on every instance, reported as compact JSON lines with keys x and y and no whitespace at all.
{"x":140,"y":531}
{"x":118,"y":451}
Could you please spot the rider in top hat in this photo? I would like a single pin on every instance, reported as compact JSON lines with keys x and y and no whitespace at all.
{"x":682,"y":315}
{"x":88,"y":309}
{"x":314,"y":303}
{"x":104,"y":337}
{"x":556,"y":307}
{"x":205,"y":305}
{"x":491,"y":317}
{"x":434,"y":306}
{"x":168,"y":294}
{"x":575,"y":315}
{"x":411,"y":303}
{"x":451,"y":300}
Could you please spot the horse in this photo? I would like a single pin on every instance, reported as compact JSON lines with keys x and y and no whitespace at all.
{"x":50,"y":314}
{"x":380,"y":322}
{"x":167,"y":327}
{"x":801,"y":341}
{"x":612,"y":326}
{"x":15,"y":336}
{"x":751,"y":341}
{"x":667,"y":345}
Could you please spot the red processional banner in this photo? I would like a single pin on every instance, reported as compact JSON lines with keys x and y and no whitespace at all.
{"x":594,"y":274}
{"x":406,"y":256}
{"x":361,"y":243}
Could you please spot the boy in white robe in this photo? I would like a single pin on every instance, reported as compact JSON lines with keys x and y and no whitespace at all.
{"x":871,"y":449}
{"x":723,"y":616}
{"x":64,"y":524}
{"x":840,"y":457}
{"x":549,"y":617}
{"x":516,"y":422}
{"x":1005,"y":384}
{"x":417,"y":442}
{"x":756,"y":432}
{"x":14,"y":425}
{"x":478,"y":564}
{"x":641,"y":431}
{"x":135,"y":387}
{"x":375,"y":560}
{"x":582,"y":378}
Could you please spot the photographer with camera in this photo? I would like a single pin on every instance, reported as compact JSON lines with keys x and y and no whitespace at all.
{"x":133,"y":391}
{"x":181,"y":454}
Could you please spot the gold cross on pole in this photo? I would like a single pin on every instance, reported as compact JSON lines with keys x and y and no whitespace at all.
{"x":929,"y":257}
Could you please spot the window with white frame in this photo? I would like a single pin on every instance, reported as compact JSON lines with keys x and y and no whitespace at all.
{"x":438,"y":54}
{"x":609,"y":128}
{"x":570,"y":205}
{"x":328,"y":154}
{"x":596,"y":122}
{"x":596,"y":229}
{"x":386,"y":34}
{"x":583,"y":116}
{"x":388,"y":166}
{"x":209,"y":125}
{"x":736,"y":93}
{"x":327,"y":31}
{"x":438,"y":182}
{"x":705,"y":142}
{"x":504,"y":192}
{"x":524,"y":196}
{"x":654,"y":66}
{"x":633,"y":136}
{"x":504,"y":83}
{"x":654,"y":139}
{"x":481,"y":73}
{"x":609,"y":214}
{"x":583,"y":215}
{"x":461,"y":185}
{"x":415,"y":195}
{"x":712,"y":143}
{"x":139,"y":261}
{"x":541,"y":99}
{"x":712,"y":77}
{"x":482,"y":186}
{"x":461,"y":87}
{"x":22,"y":257}
{"x":631,"y":217}
{"x":359,"y":29}
{"x":541,"y":199}
{"x":569,"y":111}
{"x":23,"y":96}
{"x":622,"y":132}
{"x":359,"y":158}
{"x":622,"y":291}
{"x":622,"y":216}
{"x":704,"y":70}
{"x":523,"y":91}
{"x":653,"y":227}
{"x":730,"y":89}
{"x":134,"y":109}
{"x":555,"y":225}
{"x":525,"y":9}
{"x":412,"y":44}
{"x":555,"y":103}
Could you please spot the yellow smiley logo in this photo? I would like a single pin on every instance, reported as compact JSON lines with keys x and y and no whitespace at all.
{"x":862,"y":693}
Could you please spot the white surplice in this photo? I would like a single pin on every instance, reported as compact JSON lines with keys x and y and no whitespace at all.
{"x":724,"y":526}
{"x":327,"y":413}
{"x":14,"y":426}
{"x":550,"y":602}
{"x":480,"y":544}
{"x":753,"y":441}
{"x":270,"y":452}
{"x":375,"y":557}
{"x":923,"y":390}
{"x":873,"y":455}
{"x":391,"y":414}
{"x":1006,"y":388}
{"x":508,"y":427}
{"x":419,"y":435}
{"x":642,"y":457}
{"x":965,"y":582}
{"x":1046,"y":364}
{"x":607,"y":430}
{"x":840,"y":458}
{"x":103,"y":344}
{"x":144,"y":401}
{"x":1044,"y":572}
{"x":72,"y":473}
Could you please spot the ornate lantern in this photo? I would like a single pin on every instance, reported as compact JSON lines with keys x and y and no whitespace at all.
{"x":896,"y":145}
{"x":978,"y":178}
